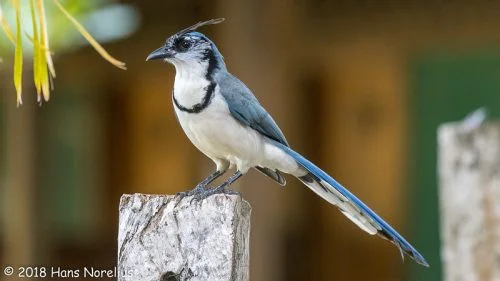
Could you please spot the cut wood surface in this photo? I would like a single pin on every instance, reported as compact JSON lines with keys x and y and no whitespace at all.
{"x":161,"y":238}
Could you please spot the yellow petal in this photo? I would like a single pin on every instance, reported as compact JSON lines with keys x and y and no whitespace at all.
{"x":90,"y":39}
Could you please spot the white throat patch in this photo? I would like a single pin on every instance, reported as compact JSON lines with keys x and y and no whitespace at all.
{"x":190,"y":84}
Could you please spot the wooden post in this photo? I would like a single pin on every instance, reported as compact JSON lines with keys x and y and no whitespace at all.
{"x":469,"y":175}
{"x":161,"y":238}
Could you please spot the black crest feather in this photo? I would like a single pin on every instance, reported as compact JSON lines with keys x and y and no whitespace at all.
{"x":200,"y":24}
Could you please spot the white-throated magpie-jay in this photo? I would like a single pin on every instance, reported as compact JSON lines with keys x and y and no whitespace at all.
{"x":225,"y":121}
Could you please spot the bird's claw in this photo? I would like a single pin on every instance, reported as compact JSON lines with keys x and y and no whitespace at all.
{"x":221,"y":189}
{"x":193,"y":192}
{"x":200,"y":192}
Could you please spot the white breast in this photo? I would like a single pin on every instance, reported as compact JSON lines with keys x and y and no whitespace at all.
{"x":219,"y":135}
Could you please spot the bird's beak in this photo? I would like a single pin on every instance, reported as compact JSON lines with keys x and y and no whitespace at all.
{"x":160,"y":53}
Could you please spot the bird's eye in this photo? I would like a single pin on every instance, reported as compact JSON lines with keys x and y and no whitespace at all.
{"x":184,"y":45}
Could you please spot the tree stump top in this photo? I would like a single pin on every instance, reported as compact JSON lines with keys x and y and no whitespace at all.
{"x":162,"y":238}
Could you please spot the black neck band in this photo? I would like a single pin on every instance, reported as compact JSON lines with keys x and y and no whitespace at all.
{"x":213,"y":64}
{"x":197,"y":108}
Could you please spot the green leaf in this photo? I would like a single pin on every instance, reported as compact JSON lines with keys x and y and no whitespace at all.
{"x":90,"y":39}
{"x":18,"y":55}
{"x":44,"y":41}
{"x":36,"y":51}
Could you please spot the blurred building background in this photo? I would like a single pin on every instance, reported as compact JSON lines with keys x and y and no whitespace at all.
{"x":357,"y":86}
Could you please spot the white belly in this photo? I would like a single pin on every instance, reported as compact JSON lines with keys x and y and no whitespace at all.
{"x":219,"y":136}
{"x":222,"y":138}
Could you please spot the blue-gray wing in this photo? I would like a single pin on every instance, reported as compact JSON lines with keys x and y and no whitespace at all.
{"x":245,"y":108}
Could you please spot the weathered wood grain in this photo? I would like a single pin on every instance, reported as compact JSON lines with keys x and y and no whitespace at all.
{"x":469,"y":176}
{"x":161,"y":238}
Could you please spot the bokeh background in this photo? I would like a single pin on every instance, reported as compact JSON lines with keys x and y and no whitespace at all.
{"x":359,"y":87}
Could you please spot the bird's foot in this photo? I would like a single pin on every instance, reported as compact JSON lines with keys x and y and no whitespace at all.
{"x":221,"y":189}
{"x":199,"y":189}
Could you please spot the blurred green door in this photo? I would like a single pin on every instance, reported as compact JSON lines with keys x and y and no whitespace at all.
{"x":445,"y":87}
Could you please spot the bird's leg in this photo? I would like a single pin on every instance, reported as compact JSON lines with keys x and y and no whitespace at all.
{"x":209,"y":179}
{"x":221,"y":189}
{"x":200,"y":188}
{"x":224,"y":188}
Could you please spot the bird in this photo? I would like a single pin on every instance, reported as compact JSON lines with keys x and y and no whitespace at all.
{"x":224,"y":120}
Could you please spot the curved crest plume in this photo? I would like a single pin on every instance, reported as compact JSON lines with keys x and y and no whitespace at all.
{"x":200,"y":24}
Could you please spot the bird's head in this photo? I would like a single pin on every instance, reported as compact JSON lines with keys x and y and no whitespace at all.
{"x":189,"y":48}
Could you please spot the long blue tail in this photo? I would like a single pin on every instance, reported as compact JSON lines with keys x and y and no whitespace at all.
{"x":332,"y":191}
